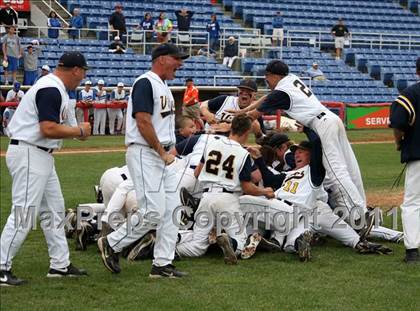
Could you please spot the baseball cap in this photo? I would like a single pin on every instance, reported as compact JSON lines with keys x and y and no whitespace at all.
{"x":168,"y":49}
{"x":87,"y":82}
{"x":46,"y":68}
{"x":249,"y":84}
{"x":16,"y":85}
{"x":73,"y":59}
{"x":277,"y":140}
{"x":30,"y":46}
{"x":116,"y":38}
{"x":102,"y":82}
{"x":304,"y":145}
{"x":314,"y":64}
{"x":120,"y":84}
{"x":277,"y":67}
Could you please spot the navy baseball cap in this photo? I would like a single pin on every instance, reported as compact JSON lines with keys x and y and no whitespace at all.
{"x":168,"y":49}
{"x":277,"y":67}
{"x":277,"y":140}
{"x":248,"y":84}
{"x":304,"y":145}
{"x":73,"y":59}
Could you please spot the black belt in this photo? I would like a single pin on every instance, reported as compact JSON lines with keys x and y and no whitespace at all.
{"x":166,"y":148}
{"x":321,"y":115}
{"x":193,"y":166}
{"x":124,"y":177}
{"x":223,"y":190}
{"x":16,"y":142}
{"x":285,"y":201}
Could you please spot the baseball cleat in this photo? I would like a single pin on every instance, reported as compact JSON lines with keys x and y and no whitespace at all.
{"x":69,"y":271}
{"x":167,"y":271}
{"x":271,"y":245}
{"x":366,"y":247}
{"x":225,"y":244}
{"x":109,"y":258}
{"x":303,"y":246}
{"x":105,"y":229}
{"x":188,"y":200}
{"x":98,"y":194}
{"x":213,"y":236}
{"x":8,"y":279}
{"x":400,"y":238}
{"x":412,"y":256}
{"x":72,"y":217}
{"x":369,"y":222}
{"x":142,"y":249}
{"x":251,"y":247}
{"x":82,"y":235}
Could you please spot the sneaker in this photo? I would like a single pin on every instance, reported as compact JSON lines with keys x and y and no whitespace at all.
{"x":223,"y":241}
{"x":82,"y":235}
{"x":213,"y":236}
{"x":251,"y":247}
{"x":366,"y":247}
{"x":98,"y":194}
{"x":8,"y":279}
{"x":303,"y":246}
{"x":167,"y":271}
{"x":188,"y":200}
{"x":109,"y":258}
{"x":70,"y":271}
{"x":412,"y":256}
{"x":271,"y":245}
{"x":142,"y":248}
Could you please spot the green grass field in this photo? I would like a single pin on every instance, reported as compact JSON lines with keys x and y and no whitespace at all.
{"x":336,"y":279}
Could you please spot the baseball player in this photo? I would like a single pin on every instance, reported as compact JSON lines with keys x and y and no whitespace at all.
{"x":86,"y":96}
{"x":407,"y":136}
{"x":14,"y":95}
{"x":150,"y":133}
{"x":224,"y":172}
{"x":35,"y":132}
{"x":117,"y":95}
{"x":99,"y":115}
{"x":290,"y":94}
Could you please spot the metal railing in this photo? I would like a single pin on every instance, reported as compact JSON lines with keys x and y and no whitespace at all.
{"x":215,"y":77}
{"x":61,"y":7}
{"x":81,"y":31}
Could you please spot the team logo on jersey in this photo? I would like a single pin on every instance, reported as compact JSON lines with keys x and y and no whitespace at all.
{"x":295,"y":175}
{"x":166,"y":107}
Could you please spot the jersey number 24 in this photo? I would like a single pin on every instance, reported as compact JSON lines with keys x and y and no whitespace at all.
{"x":213,"y":164}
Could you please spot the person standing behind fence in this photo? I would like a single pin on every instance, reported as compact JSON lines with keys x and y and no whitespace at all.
{"x":339,"y":32}
{"x":117,"y":21}
{"x":8,"y":17}
{"x":86,"y":97}
{"x":278,"y":30}
{"x":213,"y":28}
{"x":147,"y":25}
{"x":407,"y":137}
{"x":118,"y":96}
{"x":30,"y":63}
{"x":183,"y":19}
{"x":53,"y":22}
{"x":76,"y":22}
{"x":12,"y":51}
{"x":99,"y":115}
{"x":192,"y":103}
{"x":163,"y":28}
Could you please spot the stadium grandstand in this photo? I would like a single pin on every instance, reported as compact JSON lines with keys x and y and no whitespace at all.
{"x":377,"y":62}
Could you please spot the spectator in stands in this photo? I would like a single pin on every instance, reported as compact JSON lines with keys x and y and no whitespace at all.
{"x":30,"y":62}
{"x":12,"y":51}
{"x":53,"y":22}
{"x":76,"y":23}
{"x":99,"y":115}
{"x":185,"y":128}
{"x":340,"y":32}
{"x":230,"y":52}
{"x":183,"y":18}
{"x":14,"y":95}
{"x":213,"y":28}
{"x":191,"y":103}
{"x":117,"y":21}
{"x":118,"y":96}
{"x":163,"y":28}
{"x":204,"y":51}
{"x":117,"y":46}
{"x":278,"y":31}
{"x":45,"y":69}
{"x":147,"y":25}
{"x":8,"y":17}
{"x":315,"y":73}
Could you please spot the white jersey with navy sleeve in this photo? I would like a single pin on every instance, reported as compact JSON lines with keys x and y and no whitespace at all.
{"x":25,"y":123}
{"x":223,"y":162}
{"x":298,"y":188}
{"x":230,"y":103}
{"x":304,"y":106}
{"x":163,"y":116}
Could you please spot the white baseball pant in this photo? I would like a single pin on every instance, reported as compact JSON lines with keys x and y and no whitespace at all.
{"x":109,"y":181}
{"x":35,"y":191}
{"x":112,"y":115}
{"x":123,"y":196}
{"x":213,"y":208}
{"x":99,"y":121}
{"x":340,"y":163}
{"x":411,"y":206}
{"x":154,"y":183}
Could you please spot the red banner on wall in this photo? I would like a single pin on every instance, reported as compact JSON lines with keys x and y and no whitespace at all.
{"x":18,"y":5}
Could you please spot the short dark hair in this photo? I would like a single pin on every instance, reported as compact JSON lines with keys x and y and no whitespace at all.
{"x":189,"y":80}
{"x":241,"y":124}
{"x":182,"y":121}
{"x":277,"y":67}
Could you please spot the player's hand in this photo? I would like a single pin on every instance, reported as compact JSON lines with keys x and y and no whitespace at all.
{"x":86,"y":128}
{"x":220,"y":127}
{"x":211,"y":119}
{"x":299,"y":127}
{"x":269,"y":193}
{"x":168,"y":158}
{"x":235,"y":112}
{"x":254,"y":152}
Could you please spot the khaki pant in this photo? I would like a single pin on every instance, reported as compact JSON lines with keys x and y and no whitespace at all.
{"x":192,"y":111}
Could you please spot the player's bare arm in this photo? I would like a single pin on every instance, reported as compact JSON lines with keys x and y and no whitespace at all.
{"x":54,"y":130}
{"x":250,"y":108}
{"x":145,"y":126}
{"x":198,"y":169}
{"x":398,"y":136}
{"x":204,"y":108}
{"x":251,"y":189}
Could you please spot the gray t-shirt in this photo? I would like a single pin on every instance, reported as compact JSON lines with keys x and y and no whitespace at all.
{"x":30,"y":61}
{"x":12,"y":45}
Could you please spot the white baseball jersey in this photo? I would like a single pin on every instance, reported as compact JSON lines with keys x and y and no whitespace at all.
{"x":101,"y":96}
{"x":87,"y":95}
{"x":230,"y":103}
{"x":118,"y":96}
{"x":298,"y":188}
{"x":25,"y":123}
{"x":195,"y":156}
{"x":223,"y":162}
{"x":304,"y":106}
{"x":163,"y":117}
